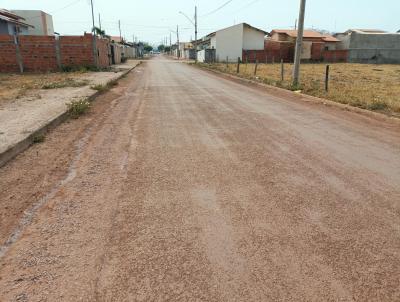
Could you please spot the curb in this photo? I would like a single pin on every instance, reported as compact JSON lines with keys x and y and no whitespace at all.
{"x":304,"y":97}
{"x":21,"y":146}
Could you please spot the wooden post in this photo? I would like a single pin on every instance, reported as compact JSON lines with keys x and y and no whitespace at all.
{"x":238,"y":65}
{"x":282,"y":71}
{"x":273,"y":59}
{"x":327,"y":78}
{"x":227,"y":61}
{"x":255,"y":68}
{"x":266,"y":59}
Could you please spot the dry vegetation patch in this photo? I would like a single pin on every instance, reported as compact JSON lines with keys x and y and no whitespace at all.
{"x":368,"y":86}
{"x":16,"y":86}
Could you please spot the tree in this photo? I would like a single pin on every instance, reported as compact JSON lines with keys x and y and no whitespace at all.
{"x":167,"y":49}
{"x":161,"y":47}
{"x":148,"y":48}
{"x":99,"y":32}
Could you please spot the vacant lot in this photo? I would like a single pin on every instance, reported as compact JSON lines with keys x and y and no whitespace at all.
{"x":16,"y":86}
{"x":374,"y":87}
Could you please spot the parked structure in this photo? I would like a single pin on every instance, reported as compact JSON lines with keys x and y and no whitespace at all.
{"x":11,"y":24}
{"x":370,"y":46}
{"x":233,"y":42}
{"x":41,"y":21}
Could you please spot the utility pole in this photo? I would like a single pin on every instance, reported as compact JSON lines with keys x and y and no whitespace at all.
{"x":99,"y":21}
{"x":299,"y":43}
{"x":120,"y":34}
{"x":94,"y":37}
{"x":177,"y":40}
{"x":195,"y":31}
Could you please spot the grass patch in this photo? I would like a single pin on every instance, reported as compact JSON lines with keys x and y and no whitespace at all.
{"x":102,"y":88}
{"x":78,"y":108}
{"x":99,"y":87}
{"x":368,"y":86}
{"x":38,"y":138}
{"x":66,"y":83}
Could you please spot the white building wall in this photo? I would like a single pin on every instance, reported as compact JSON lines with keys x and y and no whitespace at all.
{"x":42,"y":22}
{"x":213,"y":42}
{"x":253,"y":39}
{"x":229,"y":43}
{"x":201,"y":56}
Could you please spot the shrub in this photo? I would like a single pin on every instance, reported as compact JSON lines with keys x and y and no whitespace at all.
{"x":38,"y":138}
{"x":77,"y":108}
{"x":66,"y":83}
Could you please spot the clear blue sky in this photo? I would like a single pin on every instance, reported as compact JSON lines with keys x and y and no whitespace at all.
{"x":152,"y":20}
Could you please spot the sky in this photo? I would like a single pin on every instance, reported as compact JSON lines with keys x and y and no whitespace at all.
{"x":153,"y":21}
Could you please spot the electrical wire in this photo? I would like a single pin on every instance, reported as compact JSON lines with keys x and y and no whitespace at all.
{"x":56,"y":11}
{"x":217,"y":9}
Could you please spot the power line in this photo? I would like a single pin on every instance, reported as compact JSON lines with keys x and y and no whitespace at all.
{"x":57,"y":10}
{"x":246,"y":6}
{"x":218,"y":8}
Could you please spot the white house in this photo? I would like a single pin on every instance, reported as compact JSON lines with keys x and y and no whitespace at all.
{"x":230,"y":42}
{"x":11,"y":24}
{"x":42,"y":22}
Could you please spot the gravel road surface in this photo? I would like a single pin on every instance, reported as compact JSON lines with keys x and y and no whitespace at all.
{"x":180,"y":185}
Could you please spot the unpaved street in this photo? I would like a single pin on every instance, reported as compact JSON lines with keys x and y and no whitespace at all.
{"x":184,"y":186}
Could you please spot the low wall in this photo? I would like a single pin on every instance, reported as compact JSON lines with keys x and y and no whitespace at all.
{"x":335,"y":56}
{"x":48,"y":53}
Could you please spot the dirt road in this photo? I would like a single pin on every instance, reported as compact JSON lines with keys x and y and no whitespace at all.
{"x":183,"y":186}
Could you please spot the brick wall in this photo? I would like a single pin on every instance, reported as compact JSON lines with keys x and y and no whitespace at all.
{"x":284,"y":53}
{"x":39,"y":52}
{"x":76,"y":50}
{"x":8,"y":57}
{"x":335,"y":56}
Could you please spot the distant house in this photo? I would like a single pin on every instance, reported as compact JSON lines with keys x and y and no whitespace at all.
{"x":11,"y":24}
{"x":370,"y":46}
{"x":230,"y":43}
{"x":41,"y":21}
{"x":314,"y":43}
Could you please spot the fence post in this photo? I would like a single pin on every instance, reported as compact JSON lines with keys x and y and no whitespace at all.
{"x":282,"y":71}
{"x":238,"y":65}
{"x":327,"y":78}
{"x":18,"y":54}
{"x":227,"y":61}
{"x":58,"y":52}
{"x":255,"y":68}
{"x":273,"y":59}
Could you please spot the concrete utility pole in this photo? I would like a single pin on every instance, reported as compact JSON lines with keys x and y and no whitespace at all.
{"x":195,"y":30}
{"x":94,"y":37}
{"x":120,"y":34}
{"x":99,"y":21}
{"x":177,"y":39}
{"x":299,"y":43}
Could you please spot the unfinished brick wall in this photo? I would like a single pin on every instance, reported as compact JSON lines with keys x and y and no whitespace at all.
{"x":103,"y":52}
{"x":76,"y":50}
{"x":335,"y":56}
{"x":39,"y":53}
{"x":8,"y":57}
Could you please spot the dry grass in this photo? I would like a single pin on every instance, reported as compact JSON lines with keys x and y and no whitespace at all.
{"x":15,"y":86}
{"x":373,"y":87}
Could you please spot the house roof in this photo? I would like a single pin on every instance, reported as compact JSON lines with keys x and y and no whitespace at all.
{"x":306,"y":34}
{"x":117,"y":39}
{"x":13,"y":18}
{"x":255,"y":28}
{"x":371,"y":31}
{"x":245,"y":25}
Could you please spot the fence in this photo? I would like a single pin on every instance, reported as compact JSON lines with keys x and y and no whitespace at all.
{"x":50,"y":53}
